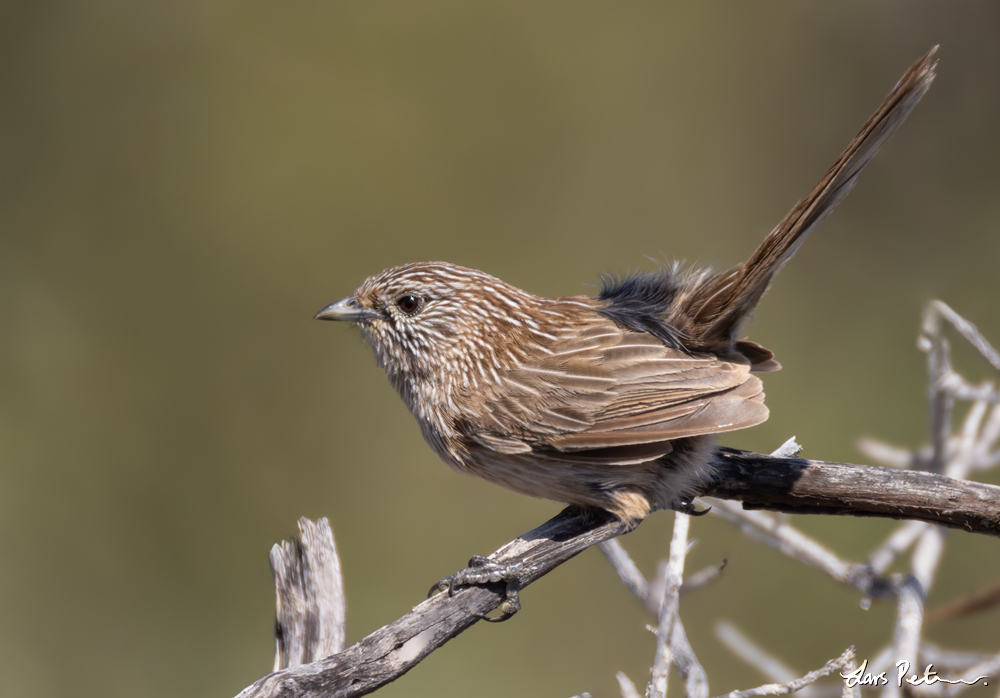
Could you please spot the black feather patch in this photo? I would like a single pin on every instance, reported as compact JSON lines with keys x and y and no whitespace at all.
{"x":639,"y":303}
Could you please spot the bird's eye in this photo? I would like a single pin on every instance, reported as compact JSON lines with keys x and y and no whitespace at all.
{"x":409,"y":303}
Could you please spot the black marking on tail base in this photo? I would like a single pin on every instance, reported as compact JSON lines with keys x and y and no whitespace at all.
{"x":639,"y":302}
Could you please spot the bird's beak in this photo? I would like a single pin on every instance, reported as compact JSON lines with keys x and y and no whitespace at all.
{"x":347,"y":309}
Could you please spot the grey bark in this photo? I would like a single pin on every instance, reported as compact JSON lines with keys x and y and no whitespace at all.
{"x":763,"y":482}
{"x":309,"y":623}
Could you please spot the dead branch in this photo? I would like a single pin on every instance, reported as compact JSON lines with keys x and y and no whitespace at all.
{"x":817,"y":487}
{"x":311,"y":613}
{"x":394,"y":649}
{"x":754,"y":655}
{"x":967,"y":605}
{"x":775,"y":689}
{"x":801,"y":486}
{"x":673,"y":575}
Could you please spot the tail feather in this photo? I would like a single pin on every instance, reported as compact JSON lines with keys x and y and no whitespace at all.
{"x":721,"y":302}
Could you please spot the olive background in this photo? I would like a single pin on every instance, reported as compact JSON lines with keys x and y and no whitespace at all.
{"x":183,"y":184}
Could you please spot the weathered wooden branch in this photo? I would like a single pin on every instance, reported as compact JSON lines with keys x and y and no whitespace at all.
{"x":816,"y":487}
{"x":795,"y":685}
{"x":394,"y":649}
{"x":311,"y":613}
{"x":763,"y":482}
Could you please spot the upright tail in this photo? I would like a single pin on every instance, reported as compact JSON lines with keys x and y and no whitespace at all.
{"x":720,"y":303}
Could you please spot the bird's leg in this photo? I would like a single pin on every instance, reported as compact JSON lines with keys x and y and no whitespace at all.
{"x":482,"y":570}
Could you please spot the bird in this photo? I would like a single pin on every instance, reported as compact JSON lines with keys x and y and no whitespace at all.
{"x":606,"y":402}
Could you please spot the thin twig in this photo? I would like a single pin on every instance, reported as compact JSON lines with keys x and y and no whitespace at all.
{"x":799,"y":546}
{"x":912,"y":594}
{"x":635,"y":581}
{"x":935,"y":345}
{"x":974,"y":674}
{"x":952,"y":660}
{"x":967,"y":605}
{"x":789,"y":449}
{"x":850,"y":689}
{"x":938,"y":310}
{"x":775,"y":689}
{"x":978,"y":674}
{"x":621,"y":562}
{"x":965,"y":444}
{"x":882,"y":661}
{"x":753,"y":654}
{"x":695,"y":678}
{"x":989,"y":435}
{"x":964,"y":390}
{"x":888,"y":455}
{"x":896,"y":544}
{"x":657,"y":687}
{"x":625,"y":685}
{"x":703,"y":578}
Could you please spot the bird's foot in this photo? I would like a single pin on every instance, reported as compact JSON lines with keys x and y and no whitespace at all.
{"x":482,"y":570}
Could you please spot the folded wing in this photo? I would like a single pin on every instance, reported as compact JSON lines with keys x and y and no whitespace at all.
{"x":609,"y":395}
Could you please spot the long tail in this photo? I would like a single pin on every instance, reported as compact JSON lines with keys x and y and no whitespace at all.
{"x":721,"y":302}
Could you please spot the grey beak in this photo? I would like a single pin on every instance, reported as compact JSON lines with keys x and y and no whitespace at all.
{"x":347,"y":309}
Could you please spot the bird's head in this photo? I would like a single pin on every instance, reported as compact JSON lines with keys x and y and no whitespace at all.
{"x":438,"y":322}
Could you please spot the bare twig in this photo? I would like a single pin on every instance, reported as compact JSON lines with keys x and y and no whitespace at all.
{"x":657,"y":687}
{"x":310,"y":593}
{"x":850,"y":689}
{"x":882,"y":661}
{"x":770,"y":531}
{"x":989,"y":435}
{"x":631,"y":577}
{"x":945,"y":384}
{"x":953,"y":660}
{"x":897,"y":543}
{"x":954,"y":455}
{"x":789,"y":449}
{"x":775,"y":689}
{"x":964,"y":390}
{"x":889,"y":455}
{"x":751,"y":653}
{"x":938,"y":312}
{"x":978,"y":674}
{"x":912,"y":594}
{"x":636,"y":582}
{"x":967,"y":605}
{"x":703,"y":578}
{"x":942,"y":400}
{"x":695,"y":678}
{"x":625,"y":685}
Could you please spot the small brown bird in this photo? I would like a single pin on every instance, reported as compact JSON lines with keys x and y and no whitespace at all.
{"x":606,"y":402}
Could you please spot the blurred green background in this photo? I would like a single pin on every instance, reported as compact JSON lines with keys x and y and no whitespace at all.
{"x":185,"y":183}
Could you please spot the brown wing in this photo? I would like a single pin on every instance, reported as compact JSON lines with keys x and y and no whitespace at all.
{"x":614,"y":396}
